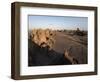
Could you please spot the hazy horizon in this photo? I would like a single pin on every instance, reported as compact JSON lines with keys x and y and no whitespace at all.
{"x":57,"y":22}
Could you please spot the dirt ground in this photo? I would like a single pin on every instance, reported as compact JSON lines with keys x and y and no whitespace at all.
{"x":77,"y":43}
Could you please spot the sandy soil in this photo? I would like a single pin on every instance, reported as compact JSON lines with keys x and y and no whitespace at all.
{"x":78,"y":45}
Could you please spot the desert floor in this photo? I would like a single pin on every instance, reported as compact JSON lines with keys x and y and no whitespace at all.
{"x":78,"y":45}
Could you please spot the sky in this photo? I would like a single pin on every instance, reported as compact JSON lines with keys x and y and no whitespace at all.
{"x":57,"y":22}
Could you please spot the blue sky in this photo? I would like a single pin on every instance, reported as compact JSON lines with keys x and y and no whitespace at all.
{"x":57,"y":22}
